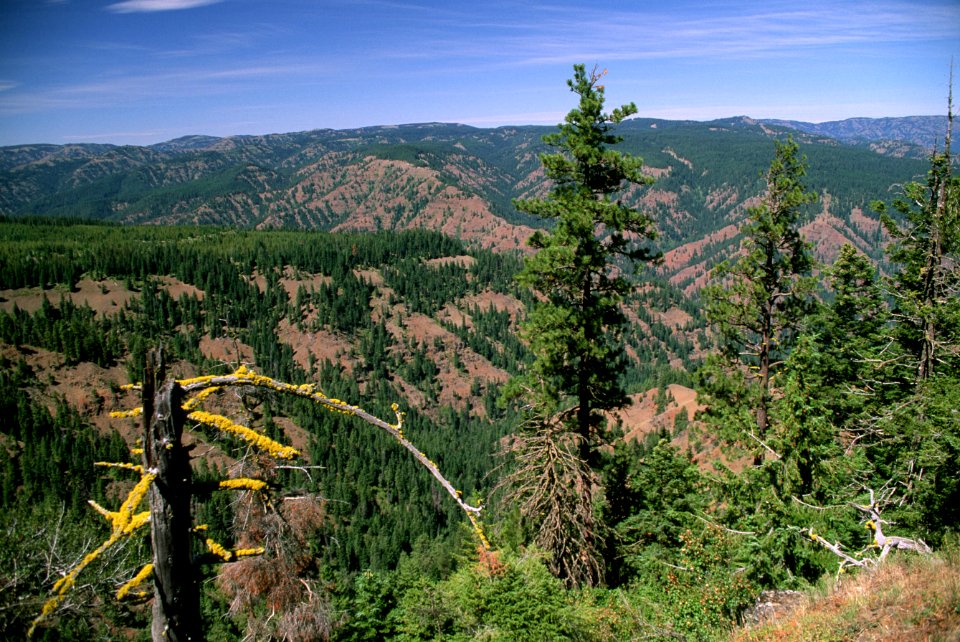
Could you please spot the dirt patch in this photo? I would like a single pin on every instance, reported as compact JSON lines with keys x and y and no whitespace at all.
{"x":674,"y":318}
{"x":371,"y":276}
{"x":641,"y":418}
{"x":292,"y":280}
{"x":226,"y":350}
{"x":422,"y":329}
{"x":459,"y":366}
{"x":295,"y":435}
{"x":722,"y":198}
{"x":104,"y":297}
{"x":656,"y":172}
{"x":496,"y":300}
{"x":828,"y":234}
{"x":678,"y":157}
{"x":457,"y":384}
{"x":373,"y":194}
{"x":455,"y":316}
{"x":687,"y":254}
{"x":323,"y":345}
{"x":27,"y":299}
{"x":89,"y":389}
{"x":177,"y":288}
{"x":464,"y":261}
{"x":864,"y":223}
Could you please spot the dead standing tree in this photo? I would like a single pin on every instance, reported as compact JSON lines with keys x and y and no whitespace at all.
{"x":166,"y":476}
{"x":176,"y":596}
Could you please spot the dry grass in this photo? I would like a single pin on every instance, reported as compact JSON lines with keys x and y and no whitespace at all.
{"x":908,"y":598}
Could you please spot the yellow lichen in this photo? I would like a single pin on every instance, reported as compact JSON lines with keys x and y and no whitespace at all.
{"x":218,"y":550}
{"x":197,"y":399}
{"x":243,"y":483}
{"x":123,"y":414}
{"x":124,"y":521}
{"x":113,"y":464}
{"x":247,"y":552}
{"x":252,"y":437}
{"x":136,"y":521}
{"x":478,"y":531}
{"x":135,"y":581}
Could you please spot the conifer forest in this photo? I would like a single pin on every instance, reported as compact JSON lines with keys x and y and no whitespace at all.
{"x":674,"y":395}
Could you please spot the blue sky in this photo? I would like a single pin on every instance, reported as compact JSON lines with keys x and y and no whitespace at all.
{"x":145,"y":71}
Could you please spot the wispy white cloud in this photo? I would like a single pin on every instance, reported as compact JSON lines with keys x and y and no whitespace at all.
{"x":147,"y":6}
{"x":544,"y":34}
{"x":126,"y":89}
{"x":114,"y":136}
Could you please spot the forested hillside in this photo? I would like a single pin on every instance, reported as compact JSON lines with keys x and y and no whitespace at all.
{"x":826,"y":386}
{"x":375,"y":318}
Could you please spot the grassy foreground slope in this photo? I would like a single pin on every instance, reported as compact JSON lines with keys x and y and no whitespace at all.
{"x":907,"y":598}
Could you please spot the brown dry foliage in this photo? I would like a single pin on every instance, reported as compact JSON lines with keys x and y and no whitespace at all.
{"x":555,"y":491}
{"x":296,"y":607}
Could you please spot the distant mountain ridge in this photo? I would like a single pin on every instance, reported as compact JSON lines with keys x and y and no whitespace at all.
{"x":926,"y":132}
{"x":462,"y":181}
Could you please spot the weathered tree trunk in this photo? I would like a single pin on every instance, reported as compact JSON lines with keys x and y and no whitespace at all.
{"x":763,"y":403}
{"x":176,"y":604}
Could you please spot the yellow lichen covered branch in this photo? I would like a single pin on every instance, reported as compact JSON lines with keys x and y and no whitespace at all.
{"x":123,"y":414}
{"x":248,"y":552}
{"x":197,"y":399}
{"x":120,"y":464}
{"x":66,"y":582}
{"x":243,"y":483}
{"x":264,"y":443}
{"x":244,"y":376}
{"x":135,"y":582}
{"x":204,"y":386}
{"x":123,"y":523}
{"x":226,"y":555}
{"x":218,"y":550}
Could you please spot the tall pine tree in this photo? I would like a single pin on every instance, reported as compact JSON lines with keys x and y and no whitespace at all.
{"x":574,"y":331}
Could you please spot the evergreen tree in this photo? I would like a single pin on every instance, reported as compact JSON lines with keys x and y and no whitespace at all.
{"x":574,"y":331}
{"x":915,"y":440}
{"x":757,"y":301}
{"x":927,"y":286}
{"x":852,"y":373}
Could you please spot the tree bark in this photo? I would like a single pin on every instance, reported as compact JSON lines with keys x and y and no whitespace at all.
{"x":176,"y":604}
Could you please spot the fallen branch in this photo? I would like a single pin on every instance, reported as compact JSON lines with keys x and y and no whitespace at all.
{"x":883,"y":543}
{"x":887,"y":542}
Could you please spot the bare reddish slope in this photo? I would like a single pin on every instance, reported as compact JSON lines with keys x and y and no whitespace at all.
{"x":373,"y":193}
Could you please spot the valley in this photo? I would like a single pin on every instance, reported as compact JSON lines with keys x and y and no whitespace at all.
{"x":381,"y":265}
